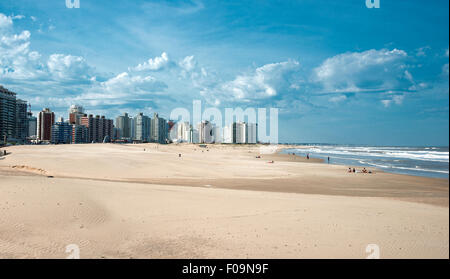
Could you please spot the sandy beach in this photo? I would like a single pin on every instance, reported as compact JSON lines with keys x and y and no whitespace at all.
{"x":184,"y":201}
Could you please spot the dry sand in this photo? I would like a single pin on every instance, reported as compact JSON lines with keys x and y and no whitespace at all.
{"x":123,"y":201}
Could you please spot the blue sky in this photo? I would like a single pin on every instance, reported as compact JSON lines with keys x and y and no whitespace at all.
{"x":338,"y":71}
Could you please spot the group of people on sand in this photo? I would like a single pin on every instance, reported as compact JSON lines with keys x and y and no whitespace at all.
{"x":364,"y":170}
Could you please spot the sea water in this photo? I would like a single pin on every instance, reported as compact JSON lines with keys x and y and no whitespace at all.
{"x":419,"y":161}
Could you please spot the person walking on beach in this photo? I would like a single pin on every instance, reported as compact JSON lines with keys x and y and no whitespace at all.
{"x":328,"y":160}
{"x":307,"y":156}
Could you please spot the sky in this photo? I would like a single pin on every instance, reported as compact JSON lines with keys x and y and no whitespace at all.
{"x":337,"y":71}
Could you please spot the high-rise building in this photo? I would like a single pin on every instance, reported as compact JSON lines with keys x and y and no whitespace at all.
{"x":7,"y":113}
{"x":239,"y":130}
{"x":183,"y":132}
{"x":21,"y":131}
{"x":159,"y":129}
{"x":100,"y":129}
{"x":195,"y":136}
{"x":80,"y":134}
{"x":123,"y":125}
{"x":75,"y":114}
{"x":142,"y":126}
{"x":61,"y":133}
{"x":228,"y":134}
{"x":32,"y":125}
{"x":205,"y":132}
{"x":252,"y":133}
{"x":88,"y":122}
{"x":217,"y":134}
{"x":132,"y":129}
{"x":46,"y":119}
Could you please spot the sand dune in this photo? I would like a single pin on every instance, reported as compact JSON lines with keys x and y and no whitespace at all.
{"x":129,"y":201}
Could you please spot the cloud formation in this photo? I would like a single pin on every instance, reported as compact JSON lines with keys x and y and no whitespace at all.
{"x":153,"y":64}
{"x":264,"y":82}
{"x":5,"y":21}
{"x":372,"y":70}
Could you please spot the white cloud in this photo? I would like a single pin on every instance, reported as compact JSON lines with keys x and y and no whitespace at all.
{"x":5,"y":21}
{"x":337,"y":99}
{"x":153,"y":64}
{"x":264,"y":82}
{"x":188,"y":63}
{"x":372,"y":70}
{"x":122,"y":89}
{"x":68,"y":67}
{"x":422,"y":52}
{"x":18,"y":17}
{"x":396,"y":99}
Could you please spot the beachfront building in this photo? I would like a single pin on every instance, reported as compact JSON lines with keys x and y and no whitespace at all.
{"x":217,"y":134}
{"x":239,"y":130}
{"x":240,"y":133}
{"x":183,"y":132}
{"x":61,"y":133}
{"x":132,"y":128}
{"x":227,"y":136}
{"x":21,"y":129}
{"x":45,"y":121}
{"x":123,"y":125}
{"x":75,"y":114}
{"x":205,"y":132}
{"x":252,"y":133}
{"x":7,"y":114}
{"x":100,"y":129}
{"x":80,"y":134}
{"x":32,"y":126}
{"x":195,"y":136}
{"x":142,"y":126}
{"x":159,"y":129}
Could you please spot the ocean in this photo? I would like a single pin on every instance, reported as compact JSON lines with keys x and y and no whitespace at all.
{"x":419,"y":161}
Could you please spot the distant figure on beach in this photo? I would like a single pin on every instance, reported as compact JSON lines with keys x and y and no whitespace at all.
{"x":349,"y":170}
{"x":179,"y":155}
{"x":307,"y":156}
{"x":354,"y":170}
{"x":328,"y":160}
{"x":364,"y":170}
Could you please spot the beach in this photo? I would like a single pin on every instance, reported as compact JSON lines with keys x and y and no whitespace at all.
{"x":218,"y":201}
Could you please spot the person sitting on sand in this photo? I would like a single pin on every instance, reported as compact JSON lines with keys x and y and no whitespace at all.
{"x":349,"y":170}
{"x":354,"y":170}
{"x":364,"y":170}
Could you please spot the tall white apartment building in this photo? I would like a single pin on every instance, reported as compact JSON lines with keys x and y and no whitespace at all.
{"x":228,"y":134}
{"x":252,"y":133}
{"x":184,"y":133}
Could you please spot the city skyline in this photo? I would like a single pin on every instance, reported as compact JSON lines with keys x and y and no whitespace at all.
{"x":376,"y":76}
{"x":18,"y":125}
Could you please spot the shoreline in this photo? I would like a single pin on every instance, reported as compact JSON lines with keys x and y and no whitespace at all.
{"x":394,"y":170}
{"x":320,"y":178}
